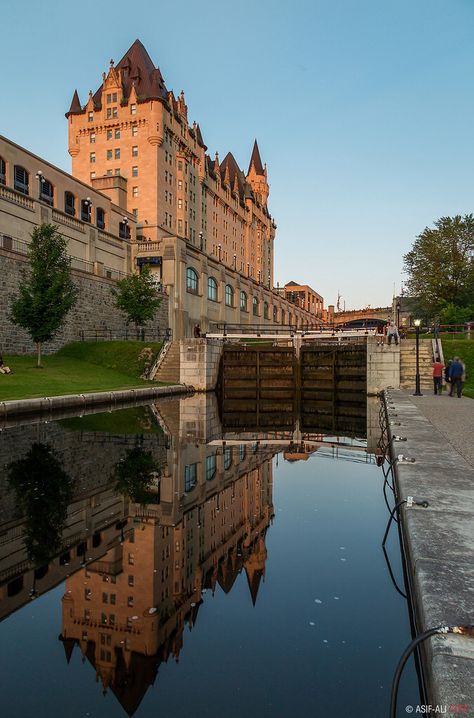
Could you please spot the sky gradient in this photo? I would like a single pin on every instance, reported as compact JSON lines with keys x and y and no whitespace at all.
{"x":363,"y":111}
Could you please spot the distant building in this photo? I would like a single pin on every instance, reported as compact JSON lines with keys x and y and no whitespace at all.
{"x":304,"y":297}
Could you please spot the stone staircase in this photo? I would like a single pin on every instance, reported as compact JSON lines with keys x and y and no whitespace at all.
{"x":408,"y":364}
{"x":169,"y":367}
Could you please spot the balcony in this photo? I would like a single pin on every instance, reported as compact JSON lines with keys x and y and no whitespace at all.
{"x":149,"y":253}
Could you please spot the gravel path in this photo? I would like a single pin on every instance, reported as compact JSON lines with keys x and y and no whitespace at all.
{"x":453,"y":417}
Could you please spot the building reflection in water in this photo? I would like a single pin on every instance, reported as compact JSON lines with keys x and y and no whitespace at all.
{"x":157,"y":517}
{"x":211,"y":508}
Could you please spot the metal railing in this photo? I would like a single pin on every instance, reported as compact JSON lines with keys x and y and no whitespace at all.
{"x":104,"y":334}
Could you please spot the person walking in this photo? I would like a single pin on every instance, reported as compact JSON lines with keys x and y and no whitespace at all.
{"x":392,"y":333}
{"x":438,"y":367}
{"x":456,"y":373}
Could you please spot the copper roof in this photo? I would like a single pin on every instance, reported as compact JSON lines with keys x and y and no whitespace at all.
{"x":256,"y":159}
{"x":138,"y":68}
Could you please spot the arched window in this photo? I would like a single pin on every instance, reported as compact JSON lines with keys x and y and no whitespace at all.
{"x":190,"y":477}
{"x":85,"y":210}
{"x":212,"y":289}
{"x":229,"y":296}
{"x":241,"y":452}
{"x":266,"y":313}
{"x":227,"y":459}
{"x":21,"y":180}
{"x":275,"y":314}
{"x":210,"y":467}
{"x":70,"y":204}
{"x":124,"y":230}
{"x":255,"y":307}
{"x":3,"y":171}
{"x":46,"y":191}
{"x":192,"y":282}
{"x":282,"y":316}
{"x":100,"y":218}
{"x":243,"y":302}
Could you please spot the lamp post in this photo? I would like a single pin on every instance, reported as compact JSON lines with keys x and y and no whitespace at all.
{"x":417,"y":323}
{"x":398,"y":315}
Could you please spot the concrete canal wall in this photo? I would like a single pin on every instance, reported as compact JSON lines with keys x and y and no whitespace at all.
{"x":49,"y":405}
{"x":439,"y":543}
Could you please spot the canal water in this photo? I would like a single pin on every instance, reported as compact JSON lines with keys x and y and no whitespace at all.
{"x":151,"y":564}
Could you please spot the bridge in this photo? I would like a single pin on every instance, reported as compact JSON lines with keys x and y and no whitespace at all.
{"x":358,"y":316}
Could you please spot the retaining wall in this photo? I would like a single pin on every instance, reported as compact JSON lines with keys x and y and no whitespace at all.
{"x":94,"y":310}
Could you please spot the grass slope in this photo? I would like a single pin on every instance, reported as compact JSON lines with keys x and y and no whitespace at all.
{"x":465,"y":350}
{"x":76,"y":369}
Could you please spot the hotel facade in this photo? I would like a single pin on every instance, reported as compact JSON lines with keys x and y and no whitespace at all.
{"x":203,"y":225}
{"x":144,"y":192}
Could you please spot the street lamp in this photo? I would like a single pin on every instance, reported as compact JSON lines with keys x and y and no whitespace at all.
{"x":399,"y":306}
{"x":417,"y":323}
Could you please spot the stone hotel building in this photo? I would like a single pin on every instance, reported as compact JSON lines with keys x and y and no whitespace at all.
{"x":144,"y":191}
{"x":203,"y":225}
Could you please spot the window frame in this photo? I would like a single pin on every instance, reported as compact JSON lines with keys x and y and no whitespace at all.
{"x":212,"y":289}
{"x":229,"y":295}
{"x":46,"y":197}
{"x":243,"y":301}
{"x":3,"y":171}
{"x":192,"y":281}
{"x":21,"y":186}
{"x":100,"y":220}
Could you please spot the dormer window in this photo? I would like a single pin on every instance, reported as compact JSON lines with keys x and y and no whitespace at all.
{"x":133,"y":109}
{"x":111,"y":98}
{"x":90,"y":117}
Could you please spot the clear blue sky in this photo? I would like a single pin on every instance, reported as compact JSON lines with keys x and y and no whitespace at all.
{"x":363,"y":109}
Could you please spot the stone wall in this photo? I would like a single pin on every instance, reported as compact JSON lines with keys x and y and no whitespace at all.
{"x":383,"y":366}
{"x":199,"y":363}
{"x":93,"y":312}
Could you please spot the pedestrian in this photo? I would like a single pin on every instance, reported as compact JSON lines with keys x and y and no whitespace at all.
{"x":438,"y":367}
{"x":197,"y":331}
{"x":456,"y":372}
{"x":446,"y":371}
{"x":380,"y":332}
{"x":4,"y":369}
{"x":392,"y":333}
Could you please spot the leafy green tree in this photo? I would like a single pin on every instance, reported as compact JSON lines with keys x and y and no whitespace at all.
{"x":43,"y":491}
{"x":451,"y":314}
{"x":137,"y":296}
{"x":440,"y":265}
{"x":47,"y":292}
{"x":135,"y":476}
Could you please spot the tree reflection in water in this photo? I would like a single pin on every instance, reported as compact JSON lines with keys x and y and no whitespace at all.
{"x":137,"y":476}
{"x":43,"y":491}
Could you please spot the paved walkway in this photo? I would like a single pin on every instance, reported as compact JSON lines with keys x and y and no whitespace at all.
{"x":453,"y":418}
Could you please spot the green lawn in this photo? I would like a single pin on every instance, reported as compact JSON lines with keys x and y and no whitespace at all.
{"x":76,"y":369}
{"x":465,"y":350}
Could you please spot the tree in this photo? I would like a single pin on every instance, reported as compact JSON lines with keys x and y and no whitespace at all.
{"x":440,"y":265}
{"x":138,"y":297}
{"x":47,"y":292}
{"x":43,"y":492}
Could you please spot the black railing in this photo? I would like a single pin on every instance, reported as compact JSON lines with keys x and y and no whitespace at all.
{"x":103,"y":334}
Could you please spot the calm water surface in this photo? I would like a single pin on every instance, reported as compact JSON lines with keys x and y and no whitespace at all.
{"x":147,"y":569}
